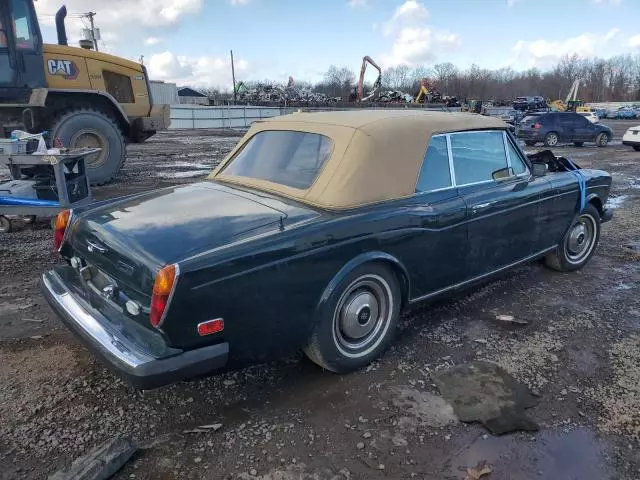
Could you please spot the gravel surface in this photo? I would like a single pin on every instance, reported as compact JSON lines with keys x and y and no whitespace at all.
{"x":576,"y":345}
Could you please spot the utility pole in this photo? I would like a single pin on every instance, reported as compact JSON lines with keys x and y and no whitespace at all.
{"x":93,"y":30}
{"x":141,"y":59}
{"x":233,"y":77}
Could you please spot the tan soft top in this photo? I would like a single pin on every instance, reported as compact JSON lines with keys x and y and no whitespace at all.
{"x":377,"y":154}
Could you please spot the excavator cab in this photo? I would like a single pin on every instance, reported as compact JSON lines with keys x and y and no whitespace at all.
{"x":21,"y":65}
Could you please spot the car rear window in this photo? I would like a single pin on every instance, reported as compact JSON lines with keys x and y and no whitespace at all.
{"x":289,"y":158}
{"x":435,"y":173}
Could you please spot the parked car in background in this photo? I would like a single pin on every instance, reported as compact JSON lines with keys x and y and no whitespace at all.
{"x":529,"y":103}
{"x":632,"y":138}
{"x":556,"y":127}
{"x":591,"y":116}
{"x":314,"y":233}
{"x":626,"y":113}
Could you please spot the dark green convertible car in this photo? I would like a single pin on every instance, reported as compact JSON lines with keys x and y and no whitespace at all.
{"x":314,"y":233}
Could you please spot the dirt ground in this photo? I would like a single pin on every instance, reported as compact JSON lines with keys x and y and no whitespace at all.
{"x":579,"y":351}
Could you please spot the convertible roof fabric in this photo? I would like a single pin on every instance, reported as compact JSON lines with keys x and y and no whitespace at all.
{"x":377,"y":154}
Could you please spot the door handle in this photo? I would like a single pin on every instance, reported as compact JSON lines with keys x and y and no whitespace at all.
{"x":481,"y":206}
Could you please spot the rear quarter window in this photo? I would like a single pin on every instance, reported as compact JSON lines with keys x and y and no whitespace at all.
{"x":289,"y":158}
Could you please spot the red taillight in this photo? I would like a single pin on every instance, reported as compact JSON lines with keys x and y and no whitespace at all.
{"x":62,"y":222}
{"x":210,"y":327}
{"x":162,"y":290}
{"x":537,"y":125}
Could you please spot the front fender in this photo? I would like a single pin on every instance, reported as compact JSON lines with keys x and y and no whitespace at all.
{"x":361,"y":259}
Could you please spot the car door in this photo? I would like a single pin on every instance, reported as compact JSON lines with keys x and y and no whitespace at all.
{"x":503,"y":212}
{"x":566,"y":127}
{"x":438,"y":257}
{"x":582,"y":129}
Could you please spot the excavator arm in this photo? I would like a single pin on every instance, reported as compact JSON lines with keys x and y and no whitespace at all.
{"x":367,"y":60}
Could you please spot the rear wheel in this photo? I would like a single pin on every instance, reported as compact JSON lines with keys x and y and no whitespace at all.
{"x":529,"y":143}
{"x":358,"y":321}
{"x":578,"y":144}
{"x":551,"y":139}
{"x":579,"y":242}
{"x":602,"y":140}
{"x":93,"y":129}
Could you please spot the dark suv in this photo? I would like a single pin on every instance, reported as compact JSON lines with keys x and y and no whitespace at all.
{"x":529,"y":103}
{"x":555,"y":127}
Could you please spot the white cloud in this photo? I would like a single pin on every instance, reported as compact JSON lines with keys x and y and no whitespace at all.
{"x":123,"y":21}
{"x":152,"y":41}
{"x":357,"y":3}
{"x":409,"y":13}
{"x":545,"y":53}
{"x":634,"y":42}
{"x":511,"y":3}
{"x":204,"y":71}
{"x":415,"y":42}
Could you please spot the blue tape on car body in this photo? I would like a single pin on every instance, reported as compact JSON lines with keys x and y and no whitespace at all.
{"x":582,"y":184}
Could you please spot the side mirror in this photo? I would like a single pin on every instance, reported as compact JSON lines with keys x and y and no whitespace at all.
{"x":502,"y":174}
{"x":539,"y":169}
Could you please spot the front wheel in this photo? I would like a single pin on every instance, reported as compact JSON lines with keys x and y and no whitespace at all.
{"x":551,"y":139}
{"x":602,"y":140}
{"x":358,"y":321}
{"x":579,"y":242}
{"x":5,"y":224}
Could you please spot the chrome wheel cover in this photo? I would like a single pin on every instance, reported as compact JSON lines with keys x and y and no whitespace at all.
{"x":362,"y":316}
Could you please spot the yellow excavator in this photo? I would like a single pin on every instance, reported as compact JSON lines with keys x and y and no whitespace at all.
{"x":82,"y":97}
{"x":571,"y":103}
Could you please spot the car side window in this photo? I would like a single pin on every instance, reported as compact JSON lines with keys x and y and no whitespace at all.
{"x":567,"y":120}
{"x":517,"y":164}
{"x":477,"y":155}
{"x":435,"y":173}
{"x":581,"y":121}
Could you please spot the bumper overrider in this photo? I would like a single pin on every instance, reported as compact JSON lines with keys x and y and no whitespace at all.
{"x":120,"y":350}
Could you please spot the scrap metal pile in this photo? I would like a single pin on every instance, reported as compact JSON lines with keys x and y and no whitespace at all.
{"x":267,"y":93}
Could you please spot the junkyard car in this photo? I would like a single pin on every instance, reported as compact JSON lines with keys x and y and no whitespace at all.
{"x":632,"y":137}
{"x":315,"y":232}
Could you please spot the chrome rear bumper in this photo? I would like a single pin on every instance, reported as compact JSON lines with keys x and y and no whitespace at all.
{"x":119,"y":349}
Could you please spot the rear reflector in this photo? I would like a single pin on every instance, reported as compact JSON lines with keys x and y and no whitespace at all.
{"x":537,"y":125}
{"x":210,"y":326}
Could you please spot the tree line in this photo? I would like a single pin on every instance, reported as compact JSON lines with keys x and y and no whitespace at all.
{"x":614,"y":79}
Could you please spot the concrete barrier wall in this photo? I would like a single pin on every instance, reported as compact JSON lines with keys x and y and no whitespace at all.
{"x":193,"y":116}
{"x":197,"y":116}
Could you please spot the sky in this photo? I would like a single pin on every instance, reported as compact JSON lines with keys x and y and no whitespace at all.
{"x":188,"y":41}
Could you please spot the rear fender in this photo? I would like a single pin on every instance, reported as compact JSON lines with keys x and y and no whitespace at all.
{"x":375,"y":256}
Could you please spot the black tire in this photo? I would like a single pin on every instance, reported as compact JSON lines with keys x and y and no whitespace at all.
{"x":636,"y":148}
{"x":341,"y":342}
{"x":602,"y":140}
{"x":573,"y":254}
{"x":551,"y":139}
{"x":529,"y":143}
{"x":5,"y":224}
{"x":578,"y":144}
{"x":90,"y":128}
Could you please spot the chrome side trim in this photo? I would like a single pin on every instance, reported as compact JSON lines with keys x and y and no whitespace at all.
{"x":91,"y":326}
{"x":484,"y":275}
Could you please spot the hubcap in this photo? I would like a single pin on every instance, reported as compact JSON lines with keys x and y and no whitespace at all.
{"x":362,"y":316}
{"x":553,"y":139}
{"x":91,"y":139}
{"x":581,"y":239}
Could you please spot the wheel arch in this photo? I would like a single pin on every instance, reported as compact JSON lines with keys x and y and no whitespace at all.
{"x":58,"y":101}
{"x":383,"y":258}
{"x":595,"y":200}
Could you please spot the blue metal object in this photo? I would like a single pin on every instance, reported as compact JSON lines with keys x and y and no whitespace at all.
{"x":28,"y":202}
{"x":582,"y":184}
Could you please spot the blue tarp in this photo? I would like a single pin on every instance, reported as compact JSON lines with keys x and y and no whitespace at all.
{"x":28,"y":202}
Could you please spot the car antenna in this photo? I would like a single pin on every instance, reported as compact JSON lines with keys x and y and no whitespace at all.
{"x":281,"y":222}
